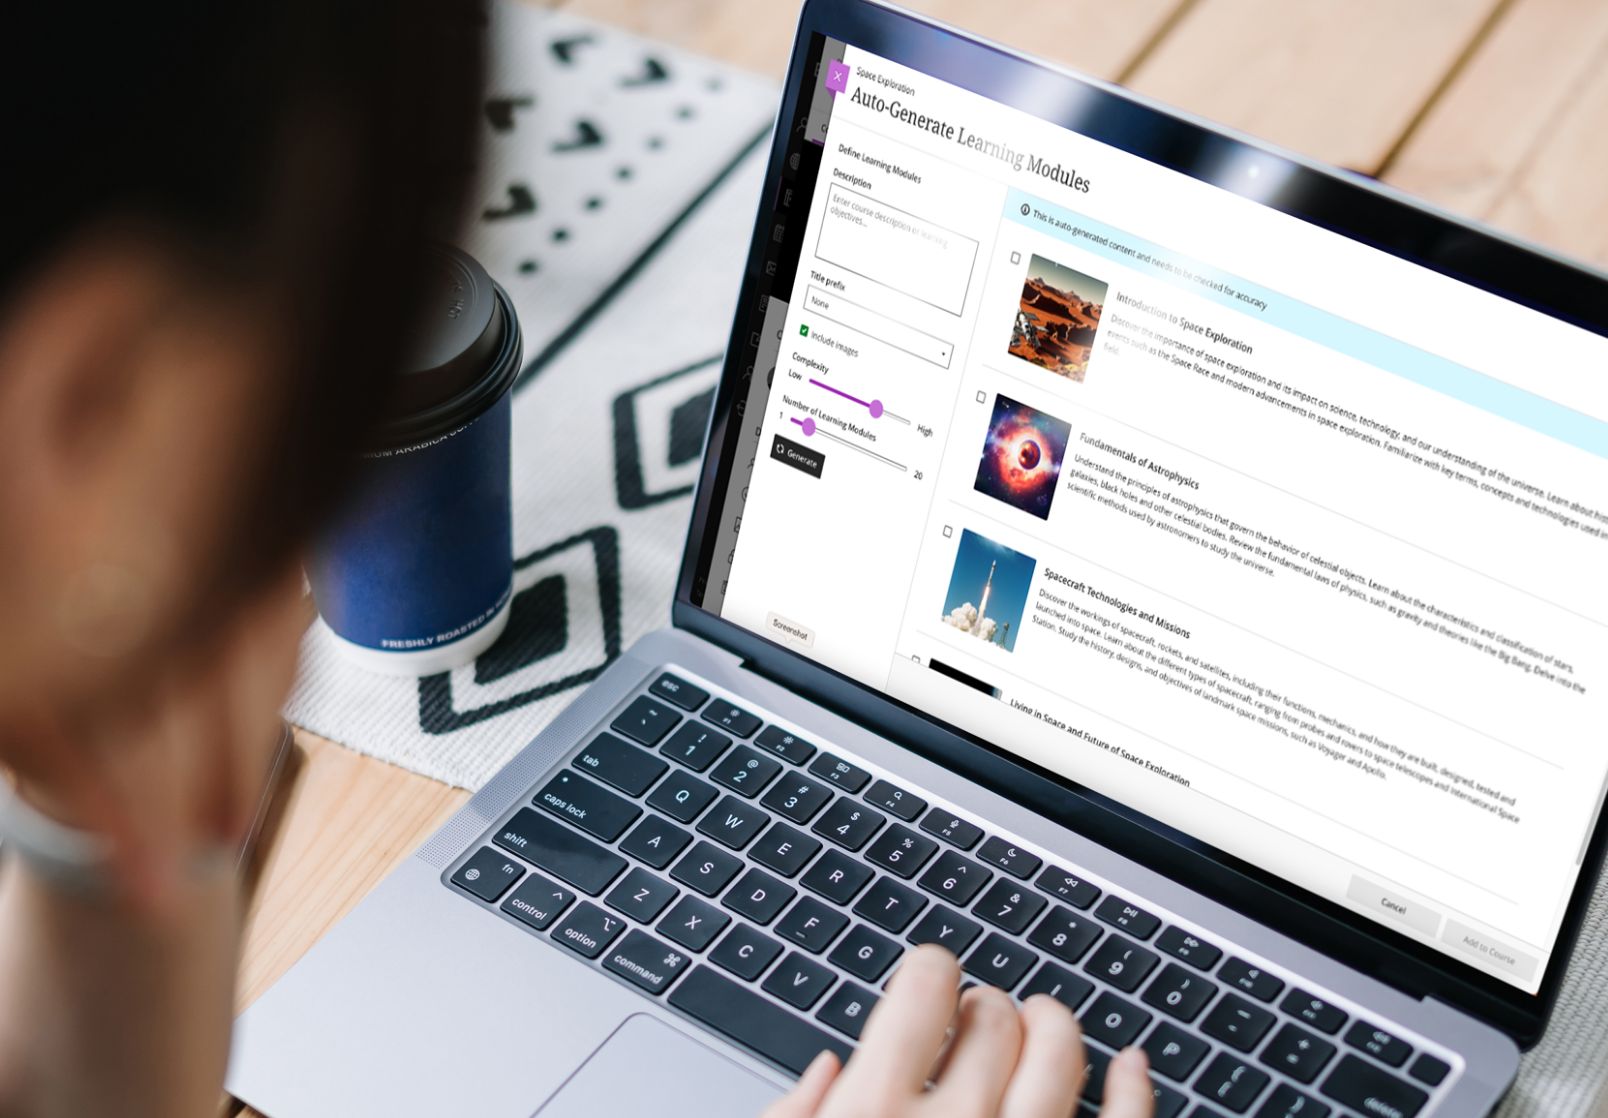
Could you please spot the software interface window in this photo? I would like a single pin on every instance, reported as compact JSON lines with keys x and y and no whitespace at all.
{"x":1227,"y":517}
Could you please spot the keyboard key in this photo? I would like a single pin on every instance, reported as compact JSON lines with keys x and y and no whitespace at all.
{"x":1113,"y":1020}
{"x":1183,"y":945}
{"x":1012,"y":859}
{"x":1065,"y":934}
{"x":733,"y":823}
{"x":785,"y":745}
{"x":655,"y":841}
{"x":745,"y":952}
{"x":951,"y":828}
{"x":837,"y":877}
{"x":1173,"y":1052}
{"x":707,"y":869}
{"x":733,"y":719}
{"x":1169,"y":1103}
{"x":746,"y":771}
{"x":847,"y":1009}
{"x":797,"y":797}
{"x":947,"y":928}
{"x":1064,"y":885}
{"x":693,"y":923}
{"x":1237,"y":1023}
{"x":645,"y":961}
{"x":1096,"y":1062}
{"x":754,"y":1022}
{"x":999,"y":961}
{"x":538,"y":901}
{"x":865,"y":954}
{"x":561,"y":851}
{"x":759,"y":896}
{"x":901,"y":851}
{"x":1069,"y":989}
{"x":1313,"y":1011}
{"x":588,"y":930}
{"x":591,"y":807}
{"x":895,"y":800}
{"x":674,"y":689}
{"x":488,"y":874}
{"x":1287,"y":1102}
{"x":695,"y":746}
{"x":1120,"y":962}
{"x":887,"y":904}
{"x":620,"y":764}
{"x":646,"y":721}
{"x":1252,"y":980}
{"x":1297,"y":1053}
{"x":1370,"y":1090}
{"x":784,"y":850}
{"x":849,"y":824}
{"x":1179,"y":992}
{"x":799,"y":981}
{"x":1128,"y":916}
{"x":1382,"y":1046}
{"x":1231,"y":1084}
{"x":1009,"y":906}
{"x":641,"y":896}
{"x":682,"y":797}
{"x":955,"y":879}
{"x":835,"y":770}
{"x":811,"y":925}
{"x":1429,"y":1069}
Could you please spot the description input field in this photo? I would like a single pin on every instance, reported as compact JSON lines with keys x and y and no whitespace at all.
{"x":897,"y":249}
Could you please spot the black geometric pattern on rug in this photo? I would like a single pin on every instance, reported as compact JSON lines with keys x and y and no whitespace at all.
{"x":686,"y":420}
{"x":538,"y":627}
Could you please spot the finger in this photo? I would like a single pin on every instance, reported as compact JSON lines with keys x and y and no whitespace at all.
{"x":1128,"y":1093}
{"x":907,"y":1028}
{"x":809,"y":1092}
{"x":982,"y":1056}
{"x":1049,"y":1072}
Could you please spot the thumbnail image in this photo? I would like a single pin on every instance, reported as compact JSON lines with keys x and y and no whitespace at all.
{"x":1021,"y":459}
{"x":988,"y":590}
{"x":1058,"y":318}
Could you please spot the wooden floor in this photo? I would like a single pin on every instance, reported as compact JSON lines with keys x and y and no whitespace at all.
{"x":1497,"y":109}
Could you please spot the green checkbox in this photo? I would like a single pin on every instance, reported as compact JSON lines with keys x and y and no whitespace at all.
{"x":803,"y":331}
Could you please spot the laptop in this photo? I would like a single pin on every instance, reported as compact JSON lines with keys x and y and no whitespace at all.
{"x":1159,"y":569}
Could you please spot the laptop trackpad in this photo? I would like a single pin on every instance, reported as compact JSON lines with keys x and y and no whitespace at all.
{"x":646,"y":1067}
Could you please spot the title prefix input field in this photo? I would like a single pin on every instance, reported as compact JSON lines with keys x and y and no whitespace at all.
{"x":828,"y":306}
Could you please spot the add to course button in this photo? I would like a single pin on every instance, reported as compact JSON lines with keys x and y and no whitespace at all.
{"x":1493,"y":951}
{"x":802,"y":458}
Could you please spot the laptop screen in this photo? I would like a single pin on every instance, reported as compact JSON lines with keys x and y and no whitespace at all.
{"x":1272,"y":536}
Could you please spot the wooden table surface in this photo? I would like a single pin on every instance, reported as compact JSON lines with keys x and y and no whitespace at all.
{"x":1497,"y":109}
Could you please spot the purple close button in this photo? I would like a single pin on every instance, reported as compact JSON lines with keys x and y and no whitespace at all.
{"x":837,"y":77}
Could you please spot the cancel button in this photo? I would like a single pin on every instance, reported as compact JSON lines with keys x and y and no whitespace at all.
{"x":1393,"y":906}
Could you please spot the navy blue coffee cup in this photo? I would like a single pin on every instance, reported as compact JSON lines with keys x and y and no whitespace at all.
{"x":417,"y":574}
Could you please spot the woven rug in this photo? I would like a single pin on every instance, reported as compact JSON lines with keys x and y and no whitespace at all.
{"x":619,"y":188}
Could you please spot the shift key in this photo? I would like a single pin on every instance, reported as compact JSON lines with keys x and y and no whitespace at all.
{"x":591,"y":807}
{"x":560,"y":851}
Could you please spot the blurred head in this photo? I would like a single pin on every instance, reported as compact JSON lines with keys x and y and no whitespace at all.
{"x":210,"y":215}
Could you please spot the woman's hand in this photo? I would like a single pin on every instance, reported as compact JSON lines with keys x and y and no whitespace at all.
{"x":999,"y":1063}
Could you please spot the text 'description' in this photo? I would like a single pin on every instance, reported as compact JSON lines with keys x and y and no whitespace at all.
{"x":897,"y":249}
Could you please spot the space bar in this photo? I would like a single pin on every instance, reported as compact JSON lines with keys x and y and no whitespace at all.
{"x":745,"y":1017}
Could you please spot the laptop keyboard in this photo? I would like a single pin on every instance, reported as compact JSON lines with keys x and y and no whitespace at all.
{"x":767,"y":888}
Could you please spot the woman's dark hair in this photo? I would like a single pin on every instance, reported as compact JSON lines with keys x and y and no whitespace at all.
{"x":303,"y":147}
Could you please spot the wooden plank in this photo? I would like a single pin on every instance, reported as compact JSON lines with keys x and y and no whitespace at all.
{"x":1088,"y":35}
{"x":1341,"y":80}
{"x":1475,"y":143}
{"x":347,"y":821}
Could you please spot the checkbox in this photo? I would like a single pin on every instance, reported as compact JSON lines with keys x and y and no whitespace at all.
{"x":803,"y":331}
{"x":981,"y":396}
{"x":1016,"y":258}
{"x":948,"y":531}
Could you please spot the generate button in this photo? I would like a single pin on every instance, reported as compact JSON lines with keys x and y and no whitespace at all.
{"x":779,"y":626}
{"x":1376,"y":898}
{"x":1492,"y":951}
{"x":799,"y":457}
